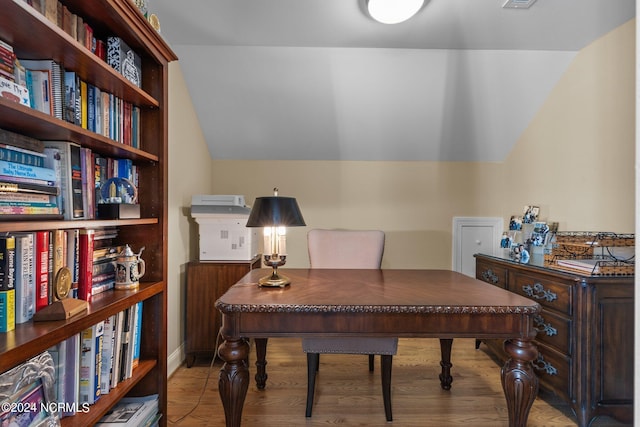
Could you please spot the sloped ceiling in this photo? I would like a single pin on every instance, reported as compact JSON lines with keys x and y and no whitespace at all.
{"x":320,"y":80}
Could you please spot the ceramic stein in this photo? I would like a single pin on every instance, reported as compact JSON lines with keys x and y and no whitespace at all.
{"x":129,"y":269}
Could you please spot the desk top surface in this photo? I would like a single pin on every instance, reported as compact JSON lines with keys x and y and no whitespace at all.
{"x":388,"y":291}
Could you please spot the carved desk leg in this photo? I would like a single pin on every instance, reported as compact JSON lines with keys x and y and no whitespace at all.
{"x":445,"y":377}
{"x":261,"y":362}
{"x":234,"y":378}
{"x":519,"y":381}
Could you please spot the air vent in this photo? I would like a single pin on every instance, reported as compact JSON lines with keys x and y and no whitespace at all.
{"x":518,"y":4}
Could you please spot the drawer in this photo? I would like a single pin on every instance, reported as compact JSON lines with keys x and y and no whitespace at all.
{"x":491,"y":273}
{"x":549,"y":293}
{"x":553,"y":330}
{"x":554,"y":371}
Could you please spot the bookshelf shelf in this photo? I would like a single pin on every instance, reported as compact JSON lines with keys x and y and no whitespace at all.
{"x":34,"y":36}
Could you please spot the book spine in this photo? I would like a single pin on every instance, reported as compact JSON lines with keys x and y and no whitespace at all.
{"x":51,"y":277}
{"x":28,"y":210}
{"x":91,"y":363}
{"x":107,"y":354}
{"x":22,"y":187}
{"x":137,"y":336}
{"x":7,"y":263}
{"x":72,"y":383}
{"x":85,"y":279}
{"x":25,"y":285}
{"x":19,"y":155}
{"x":70,"y":91}
{"x":125,"y":342}
{"x":7,"y":310}
{"x":28,"y":198}
{"x":73,"y":258}
{"x":18,"y":180}
{"x":21,"y":141}
{"x":42,"y":269}
{"x":76,"y":182}
{"x":20,"y":170}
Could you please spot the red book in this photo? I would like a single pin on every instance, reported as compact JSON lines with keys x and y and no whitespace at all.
{"x":42,"y":269}
{"x":85,"y":264}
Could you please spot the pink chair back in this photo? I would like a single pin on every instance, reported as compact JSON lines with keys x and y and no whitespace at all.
{"x":345,"y":248}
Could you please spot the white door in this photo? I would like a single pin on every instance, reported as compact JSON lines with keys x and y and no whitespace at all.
{"x":472,"y":236}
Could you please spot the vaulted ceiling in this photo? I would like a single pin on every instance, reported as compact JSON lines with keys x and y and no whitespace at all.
{"x":320,"y":80}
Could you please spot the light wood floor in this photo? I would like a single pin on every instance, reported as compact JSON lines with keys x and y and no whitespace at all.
{"x":347,"y":394}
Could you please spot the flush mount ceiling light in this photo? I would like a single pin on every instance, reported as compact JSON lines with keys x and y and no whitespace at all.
{"x":393,"y":11}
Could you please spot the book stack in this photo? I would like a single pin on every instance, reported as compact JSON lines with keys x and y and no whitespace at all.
{"x":27,"y":185}
{"x":133,"y":411}
{"x":12,"y":84}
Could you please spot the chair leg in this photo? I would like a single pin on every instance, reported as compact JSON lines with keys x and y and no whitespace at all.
{"x":371,"y":363}
{"x":312,"y":368}
{"x":385,"y":365}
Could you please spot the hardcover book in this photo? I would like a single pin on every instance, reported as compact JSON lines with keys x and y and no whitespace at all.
{"x":7,"y":263}
{"x":42,"y":269}
{"x":25,"y":280}
{"x":85,"y":265}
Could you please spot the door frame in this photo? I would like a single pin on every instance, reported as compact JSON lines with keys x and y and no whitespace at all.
{"x":496,"y":223}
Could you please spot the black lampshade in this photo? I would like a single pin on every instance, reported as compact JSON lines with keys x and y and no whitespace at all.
{"x":275,"y":211}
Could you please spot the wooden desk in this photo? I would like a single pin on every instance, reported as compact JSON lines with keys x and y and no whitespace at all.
{"x":403,"y":303}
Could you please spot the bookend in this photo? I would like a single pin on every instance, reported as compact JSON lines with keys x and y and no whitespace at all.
{"x":61,"y":310}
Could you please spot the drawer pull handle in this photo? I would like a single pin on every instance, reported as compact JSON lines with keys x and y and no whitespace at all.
{"x":544,"y":327}
{"x":489,"y":276}
{"x":541,"y":365}
{"x":537,"y":291}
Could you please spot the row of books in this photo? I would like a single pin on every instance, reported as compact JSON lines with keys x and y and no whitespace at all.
{"x":30,"y":263}
{"x":55,"y":177}
{"x":53,"y":90}
{"x":90,"y":364}
{"x":113,"y":50}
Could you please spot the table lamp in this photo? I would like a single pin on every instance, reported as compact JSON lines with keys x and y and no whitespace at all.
{"x":275,"y":213}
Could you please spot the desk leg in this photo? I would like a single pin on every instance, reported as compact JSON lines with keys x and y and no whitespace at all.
{"x":261,"y":362}
{"x":234,"y":378}
{"x":519,"y":381}
{"x":445,"y":350}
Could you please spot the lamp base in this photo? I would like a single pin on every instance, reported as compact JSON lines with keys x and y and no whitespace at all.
{"x":274,"y":280}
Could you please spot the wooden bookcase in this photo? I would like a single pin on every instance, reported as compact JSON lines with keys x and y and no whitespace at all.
{"x":33,"y":36}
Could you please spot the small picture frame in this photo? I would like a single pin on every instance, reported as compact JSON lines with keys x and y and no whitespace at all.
{"x":539,"y":233}
{"x":515,"y":223}
{"x":530,"y":214}
{"x":27,"y":394}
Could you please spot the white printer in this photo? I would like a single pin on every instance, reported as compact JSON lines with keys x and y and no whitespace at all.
{"x":222,"y":230}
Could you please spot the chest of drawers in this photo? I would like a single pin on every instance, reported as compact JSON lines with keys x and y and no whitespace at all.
{"x":585,"y":334}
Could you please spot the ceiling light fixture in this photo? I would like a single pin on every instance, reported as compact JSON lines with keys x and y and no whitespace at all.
{"x":393,"y":11}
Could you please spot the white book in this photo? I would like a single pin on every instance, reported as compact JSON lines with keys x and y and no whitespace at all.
{"x":25,"y":283}
{"x":72,"y":374}
{"x":107,"y":354}
{"x":117,"y":345}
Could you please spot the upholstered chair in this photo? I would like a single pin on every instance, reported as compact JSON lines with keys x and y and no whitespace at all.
{"x":348,"y":249}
